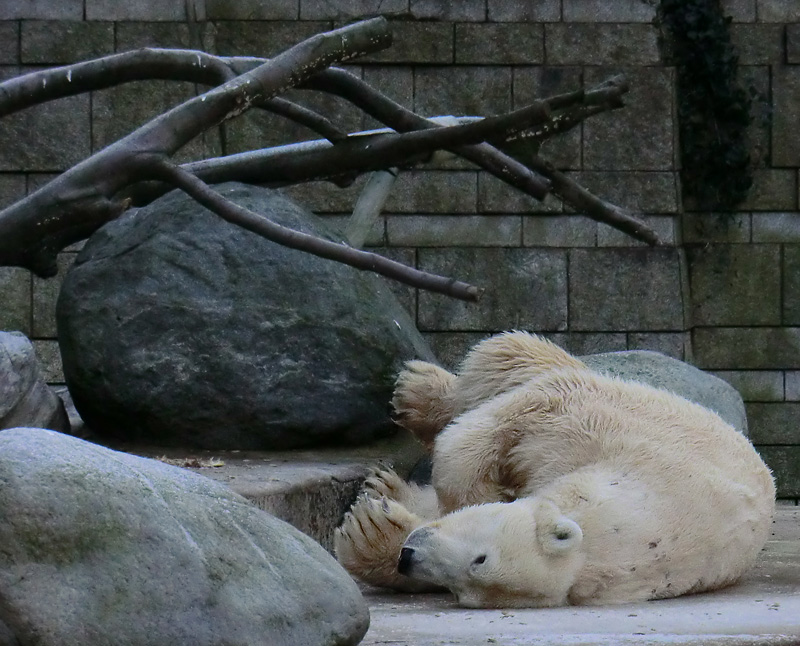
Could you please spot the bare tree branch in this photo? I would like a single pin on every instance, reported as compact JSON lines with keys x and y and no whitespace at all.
{"x":247,"y":219}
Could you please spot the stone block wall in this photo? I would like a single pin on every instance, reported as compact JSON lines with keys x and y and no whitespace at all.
{"x":724,"y":291}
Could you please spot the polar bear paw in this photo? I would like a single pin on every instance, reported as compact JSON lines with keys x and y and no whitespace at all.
{"x":423,"y":401}
{"x":368,"y":542}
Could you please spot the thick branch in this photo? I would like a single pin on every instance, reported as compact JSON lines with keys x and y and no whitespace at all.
{"x":240,"y":216}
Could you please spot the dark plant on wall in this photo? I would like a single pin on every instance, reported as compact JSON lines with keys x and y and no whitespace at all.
{"x":714,"y":111}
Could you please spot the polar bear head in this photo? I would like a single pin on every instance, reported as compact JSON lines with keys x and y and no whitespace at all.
{"x":519,"y":554}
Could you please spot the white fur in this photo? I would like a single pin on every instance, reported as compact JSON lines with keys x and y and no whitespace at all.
{"x":600,"y":490}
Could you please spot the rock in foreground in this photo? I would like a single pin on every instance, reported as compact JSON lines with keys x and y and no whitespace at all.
{"x":178,"y":328}
{"x":104,"y":548}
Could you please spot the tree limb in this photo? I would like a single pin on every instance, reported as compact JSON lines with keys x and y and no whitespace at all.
{"x":247,"y":219}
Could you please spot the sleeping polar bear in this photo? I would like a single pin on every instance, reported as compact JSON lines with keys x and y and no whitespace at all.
{"x":556,"y":485}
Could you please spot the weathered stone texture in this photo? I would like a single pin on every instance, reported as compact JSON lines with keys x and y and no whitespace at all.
{"x":773,"y":189}
{"x":248,"y":38}
{"x":45,"y":295}
{"x":134,"y":35}
{"x":394,"y":81}
{"x":758,"y":44}
{"x":525,"y":289}
{"x":252,"y":9}
{"x":50,"y":359}
{"x":62,"y":136}
{"x":793,"y":44}
{"x":41,"y":9}
{"x":786,"y":117}
{"x":539,"y":11}
{"x":489,"y":43}
{"x":756,"y":81}
{"x":773,"y":423}
{"x":325,"y":197}
{"x":746,"y":348}
{"x":640,"y":192}
{"x":784,"y":461}
{"x":755,"y":385}
{"x":15,"y":296}
{"x":9,"y":43}
{"x":735,"y":284}
{"x":460,"y":10}
{"x":716,"y":227}
{"x":558,"y":231}
{"x":434,"y":192}
{"x":495,"y":196}
{"x":453,"y":231}
{"x":663,"y":225}
{"x":672,"y":344}
{"x":51,"y":41}
{"x":608,"y":144}
{"x":791,"y":285}
{"x":12,"y":188}
{"x":792,"y":385}
{"x":778,"y":10}
{"x":349,"y":9}
{"x":473,"y":91}
{"x":626,"y":289}
{"x":604,"y":11}
{"x":582,"y":343}
{"x":776,"y":227}
{"x":143,"y":10}
{"x":417,"y":42}
{"x":600,"y":44}
{"x":740,"y":10}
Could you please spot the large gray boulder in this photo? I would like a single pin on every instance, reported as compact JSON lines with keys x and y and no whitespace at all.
{"x":25,"y":398}
{"x":179,"y":328}
{"x":104,"y":548}
{"x":661,"y":371}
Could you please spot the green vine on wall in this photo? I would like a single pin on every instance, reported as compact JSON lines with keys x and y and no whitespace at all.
{"x":714,"y":112}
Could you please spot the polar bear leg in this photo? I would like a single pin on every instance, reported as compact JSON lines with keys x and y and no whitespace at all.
{"x":369,"y":541}
{"x":423,"y":401}
{"x":505,"y":361}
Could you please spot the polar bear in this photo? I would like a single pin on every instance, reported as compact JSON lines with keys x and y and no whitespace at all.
{"x":554,"y":485}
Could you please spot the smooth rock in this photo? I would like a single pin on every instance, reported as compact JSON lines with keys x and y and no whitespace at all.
{"x":25,"y":398}
{"x":105,"y":548}
{"x":667,"y":373}
{"x":178,"y":328}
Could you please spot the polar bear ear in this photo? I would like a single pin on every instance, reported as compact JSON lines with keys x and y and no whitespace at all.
{"x":557,"y":534}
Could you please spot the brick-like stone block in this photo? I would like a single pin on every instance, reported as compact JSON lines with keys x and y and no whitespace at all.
{"x":672,"y":344}
{"x":539,"y":11}
{"x":626,"y":289}
{"x":495,"y":196}
{"x":9,"y":43}
{"x":15,"y":295}
{"x":755,"y":385}
{"x":758,"y":44}
{"x":525,"y":289}
{"x":54,"y":41}
{"x":640,"y":137}
{"x":716,"y":227}
{"x":785,"y":464}
{"x":140,"y":10}
{"x":755,"y":80}
{"x":394,"y":81}
{"x":791,"y":285}
{"x":350,"y":9}
{"x":773,"y":189}
{"x":460,"y":10}
{"x":134,"y":35}
{"x":746,"y":348}
{"x":252,"y":9}
{"x":793,"y":44}
{"x":424,"y":191}
{"x":12,"y":188}
{"x":778,"y":10}
{"x":462,"y":91}
{"x":451,"y":347}
{"x":454,"y":230}
{"x":582,"y":343}
{"x":774,"y":423}
{"x":786,"y":116}
{"x":740,"y":10}
{"x":605,"y":11}
{"x":490,"y":43}
{"x":417,"y":42}
{"x":265,"y":39}
{"x":601,"y":44}
{"x":792,"y":385}
{"x":735,"y":284}
{"x":325,"y":197}
{"x":665,"y":227}
{"x":49,"y":357}
{"x":776,"y":227}
{"x":376,"y":237}
{"x":641,"y":192}
{"x":41,"y":9}
{"x":120,"y":110}
{"x":558,"y":231}
{"x":48,"y":137}
{"x":541,"y":82}
{"x":45,"y":295}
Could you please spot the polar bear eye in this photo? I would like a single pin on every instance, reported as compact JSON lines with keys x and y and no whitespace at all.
{"x":479,"y":560}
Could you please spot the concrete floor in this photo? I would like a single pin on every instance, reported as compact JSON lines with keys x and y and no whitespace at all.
{"x":763,"y":609}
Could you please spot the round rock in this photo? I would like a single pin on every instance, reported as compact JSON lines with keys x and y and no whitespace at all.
{"x":105,"y":548}
{"x":178,"y":328}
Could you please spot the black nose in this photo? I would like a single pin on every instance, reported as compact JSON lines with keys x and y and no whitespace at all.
{"x":404,"y":564}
